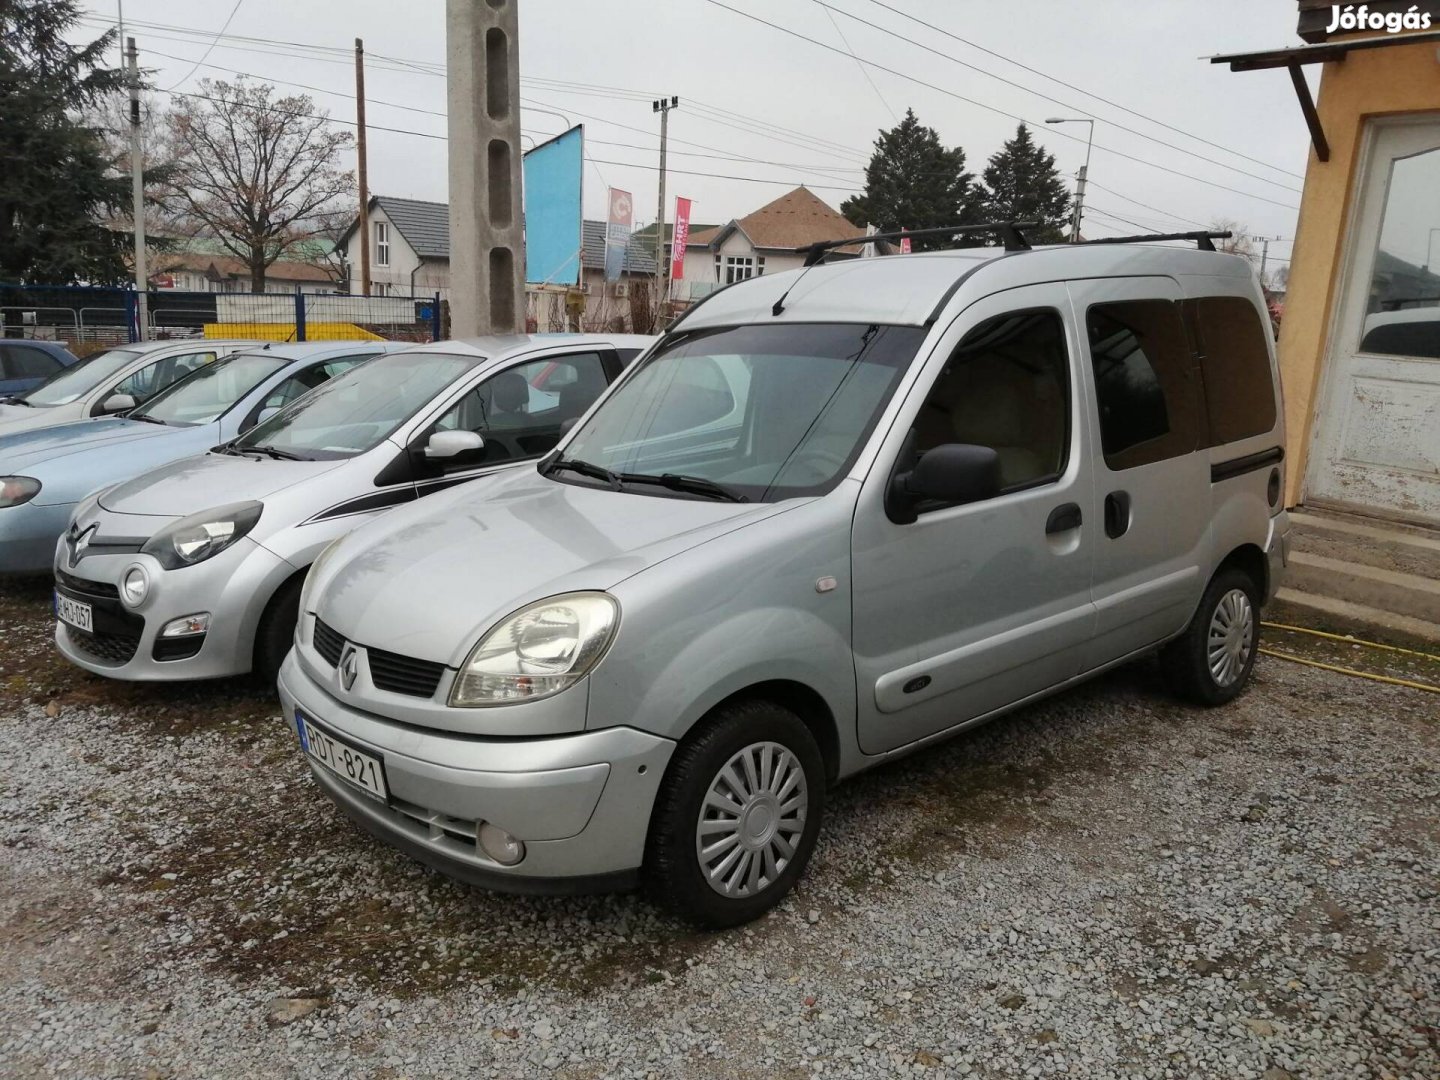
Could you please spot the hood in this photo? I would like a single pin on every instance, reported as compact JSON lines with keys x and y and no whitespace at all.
{"x":427,"y":579}
{"x":23,"y":449}
{"x":28,"y":417}
{"x":196,"y":483}
{"x":68,"y":472}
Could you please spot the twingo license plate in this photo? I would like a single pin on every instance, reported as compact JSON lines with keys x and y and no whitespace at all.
{"x":364,"y":771}
{"x":75,"y":613}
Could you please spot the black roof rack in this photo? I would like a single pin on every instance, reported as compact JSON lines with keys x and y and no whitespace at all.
{"x":1203,"y":240}
{"x":1009,"y":231}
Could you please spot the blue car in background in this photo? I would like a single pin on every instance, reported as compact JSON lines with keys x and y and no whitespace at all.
{"x":44,"y":472}
{"x":24,"y":365}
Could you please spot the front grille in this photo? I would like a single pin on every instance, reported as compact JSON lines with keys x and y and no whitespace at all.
{"x":404,"y":674}
{"x":102,"y":589}
{"x":437,"y":825}
{"x":329,"y":643}
{"x":112,"y":648}
{"x":388,"y":671}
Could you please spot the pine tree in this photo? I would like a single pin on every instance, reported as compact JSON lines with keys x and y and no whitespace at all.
{"x":913,"y":182}
{"x":1021,"y":184}
{"x":57,"y":183}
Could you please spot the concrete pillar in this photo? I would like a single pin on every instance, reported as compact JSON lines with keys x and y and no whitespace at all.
{"x":487,"y":242}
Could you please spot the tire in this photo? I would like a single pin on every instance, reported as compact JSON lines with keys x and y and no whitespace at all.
{"x":1209,"y":674}
{"x":276,"y":632}
{"x":771,"y":738}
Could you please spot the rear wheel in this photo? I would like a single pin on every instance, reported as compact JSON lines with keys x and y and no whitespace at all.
{"x":276,"y":632}
{"x":1211,"y":662}
{"x":737,"y":816}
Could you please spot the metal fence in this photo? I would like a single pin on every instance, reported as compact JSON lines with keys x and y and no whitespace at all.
{"x":84,"y":318}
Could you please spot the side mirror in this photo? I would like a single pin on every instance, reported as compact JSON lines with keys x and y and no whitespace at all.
{"x":117,"y":403}
{"x":266,"y":413}
{"x":567,"y":426}
{"x":447,"y":444}
{"x":953,"y":473}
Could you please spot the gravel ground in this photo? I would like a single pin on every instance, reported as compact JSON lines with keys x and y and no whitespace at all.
{"x":1108,"y":884}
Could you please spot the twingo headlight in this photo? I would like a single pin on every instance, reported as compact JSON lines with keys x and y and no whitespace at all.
{"x":538,"y":651}
{"x":200,"y":536}
{"x":15,"y":490}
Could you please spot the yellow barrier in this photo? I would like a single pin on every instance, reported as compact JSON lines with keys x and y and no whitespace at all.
{"x":322,"y":331}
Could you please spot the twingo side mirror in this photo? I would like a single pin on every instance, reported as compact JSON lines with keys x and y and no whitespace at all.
{"x":568,"y":425}
{"x":447,"y":444}
{"x":117,"y":403}
{"x":954,"y":473}
{"x":265,"y":413}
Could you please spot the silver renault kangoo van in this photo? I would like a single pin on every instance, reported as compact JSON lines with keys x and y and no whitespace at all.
{"x":834,"y":515}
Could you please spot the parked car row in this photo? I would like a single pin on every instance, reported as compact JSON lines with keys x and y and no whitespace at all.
{"x":551,"y":618}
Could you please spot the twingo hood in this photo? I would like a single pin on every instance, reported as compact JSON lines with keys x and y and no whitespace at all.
{"x":21,"y":449}
{"x":197,"y":483}
{"x":428,"y":579}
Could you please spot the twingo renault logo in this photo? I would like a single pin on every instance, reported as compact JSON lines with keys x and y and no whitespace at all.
{"x":79,"y":540}
{"x":349,"y":666}
{"x":1360,"y":17}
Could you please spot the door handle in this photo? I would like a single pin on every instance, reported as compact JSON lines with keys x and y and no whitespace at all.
{"x":1063,"y":519}
{"x":1117,"y":514}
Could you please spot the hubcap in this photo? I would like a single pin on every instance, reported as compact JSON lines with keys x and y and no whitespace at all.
{"x":752,"y":820}
{"x":1232,"y":636}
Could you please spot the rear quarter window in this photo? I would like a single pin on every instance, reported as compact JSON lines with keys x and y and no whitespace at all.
{"x":1234,"y":367}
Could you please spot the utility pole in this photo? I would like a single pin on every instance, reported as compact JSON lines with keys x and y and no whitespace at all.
{"x":1078,"y":217}
{"x":662,"y":265}
{"x":364,"y":224}
{"x":137,"y":192}
{"x":487,"y":237}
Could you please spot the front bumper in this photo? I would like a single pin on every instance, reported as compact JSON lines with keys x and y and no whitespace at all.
{"x":581,"y":803}
{"x":1277,"y":553}
{"x":233,"y":588}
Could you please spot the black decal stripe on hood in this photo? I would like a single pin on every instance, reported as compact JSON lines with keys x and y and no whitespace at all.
{"x":376,"y":500}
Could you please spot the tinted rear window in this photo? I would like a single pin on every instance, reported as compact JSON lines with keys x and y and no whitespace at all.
{"x":1234,"y":365}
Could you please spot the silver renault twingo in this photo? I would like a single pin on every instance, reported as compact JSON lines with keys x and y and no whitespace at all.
{"x":833,"y":516}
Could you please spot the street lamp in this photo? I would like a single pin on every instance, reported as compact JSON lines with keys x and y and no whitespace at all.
{"x":1079,"y":215}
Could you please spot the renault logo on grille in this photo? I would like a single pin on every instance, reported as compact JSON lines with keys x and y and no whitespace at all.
{"x":349,"y":666}
{"x":78,"y":540}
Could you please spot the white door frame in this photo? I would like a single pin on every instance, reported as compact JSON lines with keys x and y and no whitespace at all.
{"x":1364,"y":218}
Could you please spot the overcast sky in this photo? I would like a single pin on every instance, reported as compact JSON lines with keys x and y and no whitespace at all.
{"x":1142,"y":56}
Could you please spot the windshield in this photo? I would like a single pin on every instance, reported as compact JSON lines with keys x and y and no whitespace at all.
{"x":355,"y":411}
{"x":79,"y":379}
{"x":769,"y":412}
{"x":206,"y":395}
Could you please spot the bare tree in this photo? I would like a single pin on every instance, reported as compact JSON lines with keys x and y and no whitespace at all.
{"x":260,"y":174}
{"x":1241,"y":243}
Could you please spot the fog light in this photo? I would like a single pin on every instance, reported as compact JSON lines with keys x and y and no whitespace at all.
{"x":186,"y":626}
{"x":134,"y":586}
{"x":499,"y":844}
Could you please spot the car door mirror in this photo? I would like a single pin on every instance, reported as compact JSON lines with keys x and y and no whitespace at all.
{"x":266,"y":413}
{"x":449,"y":444}
{"x":117,"y":403}
{"x":568,"y":425}
{"x":954,"y":473}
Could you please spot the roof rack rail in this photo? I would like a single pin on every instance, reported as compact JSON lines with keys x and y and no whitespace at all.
{"x":1009,"y":231}
{"x":1203,"y":240}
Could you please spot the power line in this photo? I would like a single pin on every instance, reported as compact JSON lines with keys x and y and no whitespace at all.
{"x":1080,"y":90}
{"x":994,"y":109}
{"x":211,"y":47}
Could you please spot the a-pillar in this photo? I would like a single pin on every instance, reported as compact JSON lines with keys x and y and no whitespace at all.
{"x":487,"y":240}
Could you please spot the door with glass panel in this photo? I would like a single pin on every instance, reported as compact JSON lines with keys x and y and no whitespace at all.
{"x":1377,"y":434}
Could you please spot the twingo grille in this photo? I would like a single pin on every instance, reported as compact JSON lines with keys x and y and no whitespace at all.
{"x":329,"y":643}
{"x":111,"y":648}
{"x":404,"y":674}
{"x":89,"y":588}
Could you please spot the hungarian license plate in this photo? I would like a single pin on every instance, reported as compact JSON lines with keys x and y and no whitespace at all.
{"x":77,"y":614}
{"x":363,"y":770}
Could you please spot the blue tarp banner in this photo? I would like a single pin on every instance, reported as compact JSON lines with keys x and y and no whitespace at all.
{"x":553,"y":172}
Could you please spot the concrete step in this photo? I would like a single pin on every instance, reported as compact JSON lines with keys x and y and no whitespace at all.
{"x":1342,"y":616}
{"x":1366,"y":542}
{"x":1394,"y":591}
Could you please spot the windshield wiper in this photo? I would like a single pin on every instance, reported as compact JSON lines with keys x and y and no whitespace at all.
{"x":584,"y":468}
{"x":16,"y":401}
{"x":271,"y":451}
{"x":144,"y":419}
{"x":692,"y":485}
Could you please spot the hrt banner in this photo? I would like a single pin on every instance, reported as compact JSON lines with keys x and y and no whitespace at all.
{"x":904,"y":243}
{"x":617,"y":232}
{"x":679,"y":239}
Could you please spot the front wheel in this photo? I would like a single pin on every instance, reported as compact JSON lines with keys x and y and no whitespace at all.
{"x":737,"y":816}
{"x":1211,"y":662}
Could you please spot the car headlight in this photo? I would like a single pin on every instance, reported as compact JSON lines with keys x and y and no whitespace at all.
{"x":313,"y":574}
{"x":15,"y":490}
{"x":540,"y":650}
{"x":201,"y":536}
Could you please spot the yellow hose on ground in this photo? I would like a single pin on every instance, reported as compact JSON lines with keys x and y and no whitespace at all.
{"x":1351,"y":671}
{"x":1348,"y":640}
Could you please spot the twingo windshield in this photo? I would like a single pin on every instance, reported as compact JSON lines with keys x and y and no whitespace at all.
{"x":769,"y":412}
{"x":78,"y":379}
{"x":353,"y":412}
{"x":208,"y":393}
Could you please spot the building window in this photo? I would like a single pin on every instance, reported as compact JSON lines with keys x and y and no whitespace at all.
{"x":740,"y":267}
{"x":382,"y":243}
